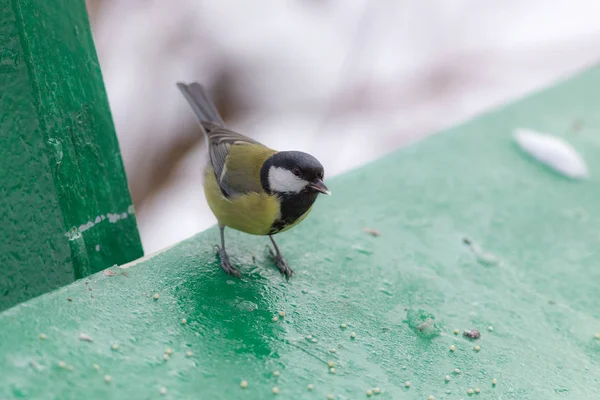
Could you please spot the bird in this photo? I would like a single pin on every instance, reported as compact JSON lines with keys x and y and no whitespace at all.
{"x":250,"y":187}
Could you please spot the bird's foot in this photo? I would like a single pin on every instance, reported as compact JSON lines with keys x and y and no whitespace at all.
{"x":226,"y":264}
{"x":281,"y":264}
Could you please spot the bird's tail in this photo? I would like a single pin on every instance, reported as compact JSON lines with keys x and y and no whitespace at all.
{"x":204,"y":109}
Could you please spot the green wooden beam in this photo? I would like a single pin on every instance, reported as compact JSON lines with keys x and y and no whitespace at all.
{"x":65,"y":208}
{"x":402,"y":293}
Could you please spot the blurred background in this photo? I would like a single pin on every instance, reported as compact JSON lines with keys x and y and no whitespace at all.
{"x":345,"y":80}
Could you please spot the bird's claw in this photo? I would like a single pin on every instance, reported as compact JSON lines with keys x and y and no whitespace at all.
{"x":226,"y":264}
{"x":281,"y":264}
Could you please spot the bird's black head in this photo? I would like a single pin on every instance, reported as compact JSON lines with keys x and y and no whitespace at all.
{"x":289,"y":172}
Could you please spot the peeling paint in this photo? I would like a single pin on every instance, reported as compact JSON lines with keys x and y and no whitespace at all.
{"x":85,"y":227}
{"x":112,"y":218}
{"x":73,"y":234}
{"x":57,"y":147}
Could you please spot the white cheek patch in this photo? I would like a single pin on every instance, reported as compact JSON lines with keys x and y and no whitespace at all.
{"x":284,"y":181}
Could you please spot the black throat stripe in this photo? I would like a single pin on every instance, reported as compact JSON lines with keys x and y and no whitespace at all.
{"x":293,"y":206}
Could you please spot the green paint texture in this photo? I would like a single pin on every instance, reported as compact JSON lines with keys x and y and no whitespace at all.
{"x":403,"y":293}
{"x":65,"y":208}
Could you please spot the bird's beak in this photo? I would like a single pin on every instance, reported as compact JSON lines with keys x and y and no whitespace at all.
{"x":319,"y":186}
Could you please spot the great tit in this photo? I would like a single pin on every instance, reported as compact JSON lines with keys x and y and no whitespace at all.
{"x":250,"y":187}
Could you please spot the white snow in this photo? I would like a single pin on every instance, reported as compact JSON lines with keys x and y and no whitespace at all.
{"x":553,"y":152}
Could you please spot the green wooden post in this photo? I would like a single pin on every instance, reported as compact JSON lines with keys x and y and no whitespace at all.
{"x":402,"y":293}
{"x":65,"y":208}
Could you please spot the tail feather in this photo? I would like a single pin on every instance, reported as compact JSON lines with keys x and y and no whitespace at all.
{"x":204,"y":109}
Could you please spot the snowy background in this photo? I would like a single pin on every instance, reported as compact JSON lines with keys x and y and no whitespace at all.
{"x":345,"y":80}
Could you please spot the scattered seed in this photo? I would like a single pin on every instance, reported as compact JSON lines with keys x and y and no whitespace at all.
{"x":275,"y":318}
{"x":330,"y":397}
{"x":369,"y":393}
{"x":490,"y":328}
{"x":447,"y":378}
{"x":156,"y":296}
{"x":596,"y":336}
{"x":432,"y":397}
{"x":244,"y":384}
{"x":343,"y":326}
{"x":188,"y":353}
{"x":85,"y":337}
{"x":476,"y":348}
{"x":115,"y":346}
{"x":472,"y":334}
{"x":456,"y":331}
{"x":275,"y":373}
{"x":62,"y":364}
{"x":275,"y":390}
{"x":163,"y":391}
{"x":43,"y":336}
{"x":372,"y":232}
{"x":309,"y":337}
{"x":311,"y":386}
{"x":166,"y":357}
{"x":282,"y":314}
{"x":183,"y":321}
{"x":70,"y":367}
{"x":331,"y":364}
{"x":452,"y":348}
{"x":332,"y":350}
{"x":332,"y":370}
{"x":457,"y":371}
{"x":407,"y":384}
{"x":107,"y":378}
{"x":494,"y":381}
{"x":353,"y":335}
{"x":168,"y":351}
{"x":469,"y":391}
{"x":477,"y":390}
{"x":377,"y":390}
{"x":314,"y":340}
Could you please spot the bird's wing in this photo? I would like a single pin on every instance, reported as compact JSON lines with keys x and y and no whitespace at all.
{"x":237,"y":161}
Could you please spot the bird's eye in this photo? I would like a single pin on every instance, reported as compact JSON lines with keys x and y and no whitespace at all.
{"x":296,"y":171}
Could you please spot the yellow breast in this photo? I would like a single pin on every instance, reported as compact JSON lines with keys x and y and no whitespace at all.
{"x":252,"y":213}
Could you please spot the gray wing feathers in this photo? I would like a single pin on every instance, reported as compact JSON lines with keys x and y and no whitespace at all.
{"x":219,"y":138}
{"x":242,"y":181}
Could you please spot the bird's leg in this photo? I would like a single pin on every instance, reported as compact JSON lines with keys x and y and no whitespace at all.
{"x":225,"y":263}
{"x":280,"y":261}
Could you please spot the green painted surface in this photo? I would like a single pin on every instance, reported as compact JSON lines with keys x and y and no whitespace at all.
{"x":541,"y":297}
{"x":59,"y":156}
